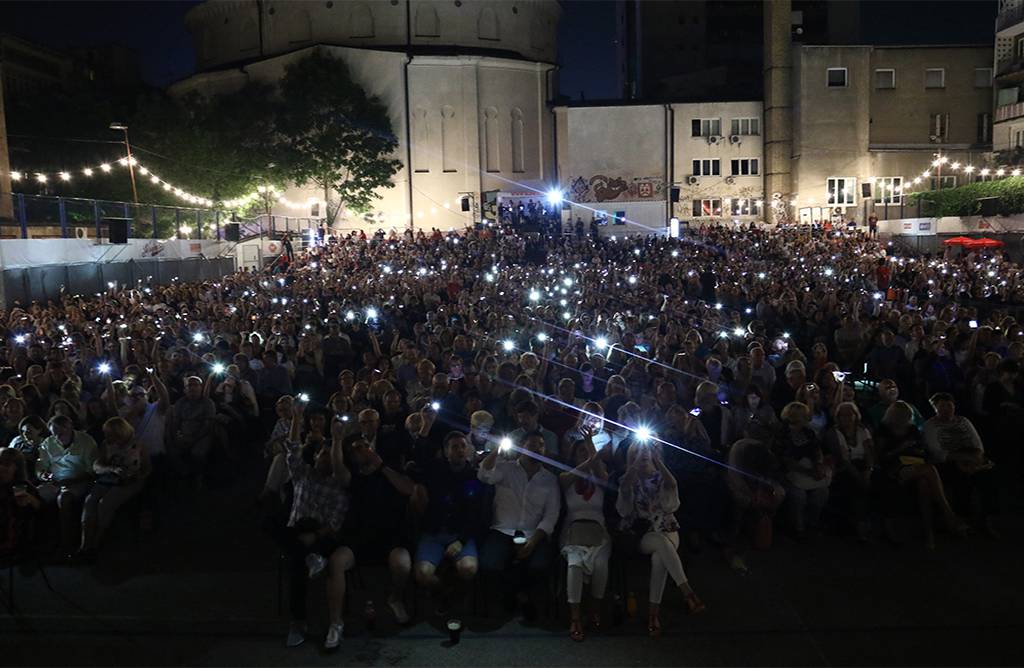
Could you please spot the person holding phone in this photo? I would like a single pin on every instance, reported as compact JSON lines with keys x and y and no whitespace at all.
{"x":65,"y":467}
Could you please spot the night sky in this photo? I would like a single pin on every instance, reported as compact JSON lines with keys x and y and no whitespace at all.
{"x":587,"y":34}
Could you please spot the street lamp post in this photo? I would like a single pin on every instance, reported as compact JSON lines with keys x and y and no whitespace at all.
{"x":131,"y":163}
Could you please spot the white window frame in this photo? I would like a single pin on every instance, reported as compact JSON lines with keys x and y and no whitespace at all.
{"x":707,"y":167}
{"x":738,"y":204}
{"x":1018,"y":137}
{"x":988,"y":77}
{"x":888,"y":190}
{"x":934,"y":123}
{"x":1018,"y":48}
{"x":846,"y":76}
{"x":942,"y":78}
{"x":841,"y":191}
{"x":716,"y":211}
{"x":707,"y":127}
{"x":753,"y":126}
{"x":949,"y":179}
{"x":753,"y":166}
{"x":890,"y":71}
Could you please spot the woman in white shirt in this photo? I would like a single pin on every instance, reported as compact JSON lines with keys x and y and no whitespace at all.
{"x":585,"y":543}
{"x":648,"y":500}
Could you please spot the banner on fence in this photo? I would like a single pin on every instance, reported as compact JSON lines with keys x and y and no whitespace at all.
{"x":35,"y":252}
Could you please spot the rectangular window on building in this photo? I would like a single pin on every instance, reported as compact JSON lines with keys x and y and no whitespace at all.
{"x":1018,"y":48}
{"x":888,"y":190}
{"x":982,"y":77}
{"x":746,"y":126}
{"x":1018,"y":138}
{"x":706,"y":127}
{"x":938,"y":127}
{"x":835,"y":77}
{"x":984,"y":128}
{"x":707,"y":167}
{"x":704,"y":208}
{"x":742,"y":207}
{"x":745,"y":167}
{"x":842,"y":191}
{"x":935,"y":77}
{"x":885,"y":78}
{"x":947,"y":182}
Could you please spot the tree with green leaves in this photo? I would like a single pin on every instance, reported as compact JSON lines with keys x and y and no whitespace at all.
{"x":332,"y":134}
{"x":219,"y":147}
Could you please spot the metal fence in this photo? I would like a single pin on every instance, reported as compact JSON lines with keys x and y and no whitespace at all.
{"x":47,"y":217}
{"x":45,"y":282}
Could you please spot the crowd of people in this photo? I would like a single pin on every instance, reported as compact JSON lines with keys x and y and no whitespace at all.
{"x":464,"y":412}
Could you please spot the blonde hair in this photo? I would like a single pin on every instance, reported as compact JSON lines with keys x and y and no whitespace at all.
{"x":793,"y":409}
{"x":481,"y":419}
{"x":898,"y":413}
{"x":118,"y":429}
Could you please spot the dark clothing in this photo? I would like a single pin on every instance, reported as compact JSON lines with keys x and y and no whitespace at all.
{"x":376,"y":523}
{"x":455,"y":501}
{"x":496,"y":557}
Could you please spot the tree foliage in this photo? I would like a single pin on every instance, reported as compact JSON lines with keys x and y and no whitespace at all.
{"x":963,"y":200}
{"x":331,"y":133}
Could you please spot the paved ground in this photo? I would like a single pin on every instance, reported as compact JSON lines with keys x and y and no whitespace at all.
{"x":202,"y":591}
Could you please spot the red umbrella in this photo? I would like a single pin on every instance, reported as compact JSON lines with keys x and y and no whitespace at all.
{"x":984,"y":243}
{"x":958,"y":241}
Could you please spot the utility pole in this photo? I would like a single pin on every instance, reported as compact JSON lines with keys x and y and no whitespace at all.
{"x":6,"y":203}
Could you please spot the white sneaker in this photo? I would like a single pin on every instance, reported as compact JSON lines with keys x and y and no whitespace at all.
{"x":296,"y":635}
{"x":315,"y":564}
{"x":334,"y":636}
{"x":398,"y":609}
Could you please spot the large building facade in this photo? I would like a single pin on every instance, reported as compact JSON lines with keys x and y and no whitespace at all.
{"x":622,"y":162}
{"x":1008,"y":66}
{"x":467,"y":85}
{"x":868,"y":120}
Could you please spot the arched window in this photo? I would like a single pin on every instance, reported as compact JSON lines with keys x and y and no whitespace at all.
{"x":449,"y":140}
{"x":360,"y":21}
{"x":420,"y":140}
{"x":487,"y":25}
{"x":427,"y":23}
{"x":518,"y":145}
{"x":491,"y":140}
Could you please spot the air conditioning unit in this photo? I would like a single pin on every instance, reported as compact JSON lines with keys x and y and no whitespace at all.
{"x":692,"y":180}
{"x":730,"y":180}
{"x":714,"y":139}
{"x":734,"y":139}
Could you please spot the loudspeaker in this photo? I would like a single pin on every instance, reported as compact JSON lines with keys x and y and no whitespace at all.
{"x":865,"y":190}
{"x":989,"y":205}
{"x":232,"y":232}
{"x":673,"y":194}
{"x":465,"y":203}
{"x":117,"y":231}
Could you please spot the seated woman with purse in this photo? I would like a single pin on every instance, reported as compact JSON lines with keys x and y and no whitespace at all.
{"x":901,"y":450}
{"x":585,"y":542}
{"x":121,"y":470}
{"x":648,"y":500}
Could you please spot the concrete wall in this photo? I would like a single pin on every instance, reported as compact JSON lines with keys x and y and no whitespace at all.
{"x":613,"y":159}
{"x":859,"y":132}
{"x":228,"y":31}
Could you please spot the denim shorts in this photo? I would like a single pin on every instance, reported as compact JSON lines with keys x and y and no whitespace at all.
{"x":432,"y":546}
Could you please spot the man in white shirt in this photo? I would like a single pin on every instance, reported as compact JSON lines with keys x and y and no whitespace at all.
{"x":526,"y":506}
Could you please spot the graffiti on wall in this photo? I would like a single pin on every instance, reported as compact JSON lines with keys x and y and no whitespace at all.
{"x":603,"y":188}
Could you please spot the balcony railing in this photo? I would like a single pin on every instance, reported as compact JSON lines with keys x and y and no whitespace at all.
{"x":1009,"y":111}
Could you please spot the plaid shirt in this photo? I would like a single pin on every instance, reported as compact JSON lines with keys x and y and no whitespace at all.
{"x":316,"y":497}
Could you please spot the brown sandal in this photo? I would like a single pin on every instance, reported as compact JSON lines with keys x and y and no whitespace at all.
{"x":576,"y":631}
{"x":693,"y":604}
{"x":653,"y":626}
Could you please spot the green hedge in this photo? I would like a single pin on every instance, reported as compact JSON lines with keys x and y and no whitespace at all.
{"x":963,"y":200}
